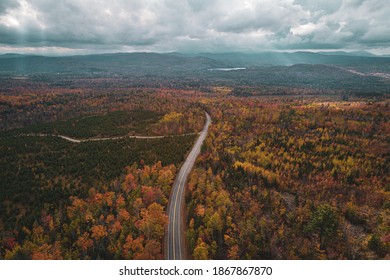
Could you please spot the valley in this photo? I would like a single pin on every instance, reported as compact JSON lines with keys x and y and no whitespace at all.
{"x":96,"y":149}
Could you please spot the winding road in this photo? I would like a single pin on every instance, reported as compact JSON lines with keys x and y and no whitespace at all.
{"x":175,"y":243}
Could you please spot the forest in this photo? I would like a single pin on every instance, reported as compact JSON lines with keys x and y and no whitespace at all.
{"x":123,"y":220}
{"x":288,"y":179}
{"x":117,"y":123}
{"x":45,"y":176}
{"x":284,"y":173}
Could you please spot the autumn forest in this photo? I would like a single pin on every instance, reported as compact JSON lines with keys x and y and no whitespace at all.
{"x":285,"y":172}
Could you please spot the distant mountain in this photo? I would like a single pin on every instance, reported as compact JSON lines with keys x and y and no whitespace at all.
{"x":286,"y":59}
{"x":155,"y":63}
{"x":337,"y":71}
{"x":119,"y":63}
{"x":362,"y":53}
{"x":354,"y":53}
{"x":12,"y":55}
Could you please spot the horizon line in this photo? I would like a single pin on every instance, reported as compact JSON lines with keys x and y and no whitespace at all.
{"x":362,"y":53}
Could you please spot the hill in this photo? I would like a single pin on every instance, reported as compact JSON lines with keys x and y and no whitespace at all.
{"x":350,"y":72}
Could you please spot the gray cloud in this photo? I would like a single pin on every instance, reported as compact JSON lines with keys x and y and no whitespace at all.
{"x":7,"y":4}
{"x":322,"y":6}
{"x":193,"y":25}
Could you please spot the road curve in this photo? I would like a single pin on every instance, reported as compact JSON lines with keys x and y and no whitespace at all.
{"x":175,"y":244}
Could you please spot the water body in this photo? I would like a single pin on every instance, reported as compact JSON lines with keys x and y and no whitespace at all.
{"x":227,"y":69}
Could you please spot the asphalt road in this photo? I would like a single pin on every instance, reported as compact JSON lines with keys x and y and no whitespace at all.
{"x":175,"y":244}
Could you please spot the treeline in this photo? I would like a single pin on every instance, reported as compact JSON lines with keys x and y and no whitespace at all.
{"x":122,"y":220}
{"x":291,"y":180}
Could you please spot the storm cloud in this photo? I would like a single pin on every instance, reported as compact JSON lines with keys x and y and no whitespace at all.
{"x":75,"y":26}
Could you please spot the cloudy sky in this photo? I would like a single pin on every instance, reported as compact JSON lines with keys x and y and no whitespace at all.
{"x":95,"y":26}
